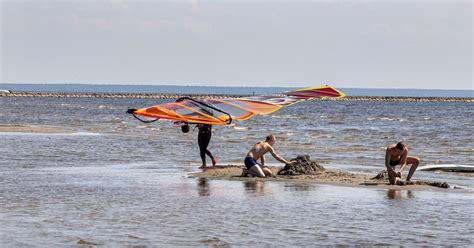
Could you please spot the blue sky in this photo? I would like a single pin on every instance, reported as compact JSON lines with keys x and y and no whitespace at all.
{"x":359,"y":44}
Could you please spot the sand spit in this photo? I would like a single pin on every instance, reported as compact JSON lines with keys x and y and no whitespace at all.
{"x":30,"y":129}
{"x":303,"y":169}
{"x":331,"y":177}
{"x":219,"y":96}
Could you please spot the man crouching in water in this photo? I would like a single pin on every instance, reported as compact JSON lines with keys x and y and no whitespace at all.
{"x":258,"y":152}
{"x":397,"y":154}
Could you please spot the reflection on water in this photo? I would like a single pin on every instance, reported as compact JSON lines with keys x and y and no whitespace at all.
{"x":299,"y":187}
{"x":161,"y":206}
{"x":203,"y":187}
{"x":255,"y":187}
{"x":398,"y":194}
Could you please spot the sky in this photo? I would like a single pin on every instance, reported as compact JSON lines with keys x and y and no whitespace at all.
{"x":359,"y":44}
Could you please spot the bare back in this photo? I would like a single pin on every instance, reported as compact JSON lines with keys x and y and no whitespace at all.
{"x":259,"y":149}
{"x":258,"y":152}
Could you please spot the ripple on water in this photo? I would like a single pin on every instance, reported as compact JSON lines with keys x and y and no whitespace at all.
{"x":133,"y":183}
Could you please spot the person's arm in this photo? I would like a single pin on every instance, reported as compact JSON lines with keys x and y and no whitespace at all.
{"x":276,"y":156}
{"x":403,"y":161}
{"x":262,"y":160}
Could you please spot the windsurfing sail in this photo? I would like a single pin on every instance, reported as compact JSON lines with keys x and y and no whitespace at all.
{"x":224,"y":111}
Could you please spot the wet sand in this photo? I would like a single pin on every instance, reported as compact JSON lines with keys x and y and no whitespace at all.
{"x":330,"y":177}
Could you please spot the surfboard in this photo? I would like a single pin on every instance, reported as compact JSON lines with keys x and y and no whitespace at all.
{"x":447,"y":167}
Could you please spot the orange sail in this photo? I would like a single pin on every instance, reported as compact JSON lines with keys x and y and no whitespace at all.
{"x":224,"y":111}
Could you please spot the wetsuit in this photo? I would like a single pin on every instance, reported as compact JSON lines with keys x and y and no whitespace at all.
{"x":204,"y":137}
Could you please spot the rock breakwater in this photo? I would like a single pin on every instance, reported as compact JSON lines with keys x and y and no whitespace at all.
{"x":220,"y":96}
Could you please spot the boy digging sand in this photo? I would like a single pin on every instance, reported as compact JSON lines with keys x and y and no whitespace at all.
{"x":258,"y":152}
{"x":397,"y":154}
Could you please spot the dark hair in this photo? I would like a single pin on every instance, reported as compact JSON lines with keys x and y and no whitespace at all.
{"x":401,"y":146}
{"x":270,"y":137}
{"x":185,"y":128}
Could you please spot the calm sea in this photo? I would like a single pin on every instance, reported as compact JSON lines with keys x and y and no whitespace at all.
{"x":223,"y":90}
{"x":92,"y":173}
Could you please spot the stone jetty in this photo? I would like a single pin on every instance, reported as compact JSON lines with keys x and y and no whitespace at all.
{"x":111,"y":95}
{"x":220,"y":96}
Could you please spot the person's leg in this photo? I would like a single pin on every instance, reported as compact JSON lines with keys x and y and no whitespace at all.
{"x":256,"y":171}
{"x":213,"y":159}
{"x":248,"y":163}
{"x":414,"y":161}
{"x":245,"y":172}
{"x":267,"y":171}
{"x":391,"y":175}
{"x":205,"y":141}
{"x":202,"y":149}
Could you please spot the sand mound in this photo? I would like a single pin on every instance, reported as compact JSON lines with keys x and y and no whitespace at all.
{"x":382,"y":176}
{"x":301,"y":165}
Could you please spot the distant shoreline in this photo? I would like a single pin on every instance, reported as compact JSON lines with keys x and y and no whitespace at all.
{"x":174,"y":96}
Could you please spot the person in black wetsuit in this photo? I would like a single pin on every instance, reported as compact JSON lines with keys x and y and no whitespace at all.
{"x":204,"y":137}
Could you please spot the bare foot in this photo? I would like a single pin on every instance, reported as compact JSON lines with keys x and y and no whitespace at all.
{"x":214,"y":161}
{"x":400,"y":182}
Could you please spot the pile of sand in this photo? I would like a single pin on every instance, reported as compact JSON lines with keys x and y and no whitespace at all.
{"x":301,"y":165}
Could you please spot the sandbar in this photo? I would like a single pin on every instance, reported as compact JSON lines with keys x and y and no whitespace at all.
{"x":329,"y":177}
{"x":30,"y":129}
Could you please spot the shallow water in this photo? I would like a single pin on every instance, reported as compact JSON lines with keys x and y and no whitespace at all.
{"x":110,"y":180}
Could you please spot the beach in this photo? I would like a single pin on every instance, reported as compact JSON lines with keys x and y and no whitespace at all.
{"x":79,"y":171}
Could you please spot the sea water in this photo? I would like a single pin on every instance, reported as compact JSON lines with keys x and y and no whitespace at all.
{"x":98,"y":176}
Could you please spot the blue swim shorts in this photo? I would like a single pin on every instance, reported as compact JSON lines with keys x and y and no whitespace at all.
{"x":249,"y":162}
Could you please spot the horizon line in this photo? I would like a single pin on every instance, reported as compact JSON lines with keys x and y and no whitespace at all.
{"x":176,"y":85}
